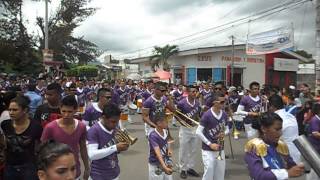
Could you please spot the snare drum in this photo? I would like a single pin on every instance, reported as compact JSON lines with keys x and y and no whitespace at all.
{"x":123,"y":117}
{"x":139,"y":103}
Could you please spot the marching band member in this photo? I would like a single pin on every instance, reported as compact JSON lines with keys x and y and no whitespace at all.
{"x":102,"y":146}
{"x":290,"y":130}
{"x":156,"y":103}
{"x":250,"y":106}
{"x":124,"y":99}
{"x":267,"y":156}
{"x":211,"y":132}
{"x":205,"y":95}
{"x":145,"y":95}
{"x":314,"y":136}
{"x":94,"y":111}
{"x":160,"y":163}
{"x":177,"y":95}
{"x":190,"y":106}
{"x":132,"y":96}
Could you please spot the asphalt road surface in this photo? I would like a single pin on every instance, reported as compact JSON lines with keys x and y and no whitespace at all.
{"x":134,"y":162}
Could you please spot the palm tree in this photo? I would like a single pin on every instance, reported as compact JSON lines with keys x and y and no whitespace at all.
{"x":161,"y":55}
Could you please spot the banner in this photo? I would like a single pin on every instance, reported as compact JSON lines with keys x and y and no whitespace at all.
{"x":270,"y":41}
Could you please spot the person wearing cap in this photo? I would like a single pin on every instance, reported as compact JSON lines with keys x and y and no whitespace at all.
{"x":189,"y":142}
{"x":205,"y":94}
{"x":156,"y":103}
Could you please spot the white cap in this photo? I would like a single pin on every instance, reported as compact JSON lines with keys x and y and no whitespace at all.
{"x":232,"y":88}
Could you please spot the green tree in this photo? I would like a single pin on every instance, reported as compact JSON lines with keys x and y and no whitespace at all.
{"x":69,"y":15}
{"x":17,"y":47}
{"x":161,"y":55}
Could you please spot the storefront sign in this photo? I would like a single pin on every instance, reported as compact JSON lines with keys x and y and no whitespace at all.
{"x":205,"y":58}
{"x":242,"y":59}
{"x":281,"y":64}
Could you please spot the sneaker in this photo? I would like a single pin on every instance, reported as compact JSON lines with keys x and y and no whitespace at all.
{"x":183,"y":175}
{"x":193,"y":173}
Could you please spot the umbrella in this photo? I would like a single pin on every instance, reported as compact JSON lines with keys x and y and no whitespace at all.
{"x":134,"y":76}
{"x":163,"y":75}
{"x":150,"y":75}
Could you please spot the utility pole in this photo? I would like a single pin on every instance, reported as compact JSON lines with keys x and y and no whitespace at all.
{"x":46,"y":41}
{"x":232,"y":62}
{"x":317,"y":65}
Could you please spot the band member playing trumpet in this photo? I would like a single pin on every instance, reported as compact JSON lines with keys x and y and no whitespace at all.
{"x":190,"y":106}
{"x":103,"y":147}
{"x":250,"y":106}
{"x":160,"y":163}
{"x":124,"y":101}
{"x":177,"y":95}
{"x":211,"y":132}
{"x":156,"y":103}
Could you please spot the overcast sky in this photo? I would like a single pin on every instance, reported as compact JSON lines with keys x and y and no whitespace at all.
{"x":124,"y":26}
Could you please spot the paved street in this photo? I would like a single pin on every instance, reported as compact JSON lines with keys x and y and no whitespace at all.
{"x":133,"y":163}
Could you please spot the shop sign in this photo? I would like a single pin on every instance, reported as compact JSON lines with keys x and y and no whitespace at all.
{"x":281,"y":64}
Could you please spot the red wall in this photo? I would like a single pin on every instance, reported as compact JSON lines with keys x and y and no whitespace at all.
{"x":278,"y":78}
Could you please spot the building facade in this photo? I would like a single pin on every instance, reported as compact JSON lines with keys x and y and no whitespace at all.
{"x":214,"y":64}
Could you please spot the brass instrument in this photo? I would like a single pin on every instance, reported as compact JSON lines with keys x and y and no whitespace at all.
{"x":221,"y":143}
{"x":170,"y":164}
{"x":235,"y":131}
{"x":124,"y":136}
{"x":181,"y":118}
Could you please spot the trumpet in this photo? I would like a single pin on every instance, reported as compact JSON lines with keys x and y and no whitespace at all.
{"x":221,"y":143}
{"x":125,"y":137}
{"x":170,"y":164}
{"x":182,"y":119}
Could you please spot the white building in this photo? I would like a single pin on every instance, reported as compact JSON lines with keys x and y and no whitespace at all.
{"x":215,"y":63}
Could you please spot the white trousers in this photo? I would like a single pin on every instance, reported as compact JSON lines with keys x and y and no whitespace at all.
{"x":154,"y":176}
{"x":312,"y":176}
{"x":213,"y":169}
{"x":189,"y":143}
{"x":250,"y":132}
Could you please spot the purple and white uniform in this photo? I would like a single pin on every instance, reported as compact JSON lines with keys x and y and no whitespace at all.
{"x":189,"y":142}
{"x":249,"y":104}
{"x":177,"y":94}
{"x":92,"y":114}
{"x":206,"y":95}
{"x":123,"y":95}
{"x":157,"y":140}
{"x":267,"y":161}
{"x":314,"y":126}
{"x":131,"y":92}
{"x":40,"y":91}
{"x":103,"y":153}
{"x":155,"y":106}
{"x":146,"y":94}
{"x":211,"y":126}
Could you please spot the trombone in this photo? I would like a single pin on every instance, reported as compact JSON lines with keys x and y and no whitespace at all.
{"x":124,"y":136}
{"x":181,"y":118}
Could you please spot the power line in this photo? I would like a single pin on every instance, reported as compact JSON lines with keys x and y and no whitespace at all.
{"x":258,"y":15}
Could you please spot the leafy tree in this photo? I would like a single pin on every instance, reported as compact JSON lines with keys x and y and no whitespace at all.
{"x":161,"y":55}
{"x":17,"y":47}
{"x":69,"y":15}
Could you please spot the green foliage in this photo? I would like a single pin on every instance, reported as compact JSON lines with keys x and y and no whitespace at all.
{"x":83,"y":71}
{"x":17,"y":48}
{"x":67,"y":48}
{"x":161,"y":55}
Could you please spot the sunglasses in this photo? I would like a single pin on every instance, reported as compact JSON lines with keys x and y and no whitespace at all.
{"x":163,"y":90}
{"x":107,"y":97}
{"x":220,"y":102}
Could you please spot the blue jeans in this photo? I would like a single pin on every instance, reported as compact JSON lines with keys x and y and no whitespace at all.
{"x":21,"y":172}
